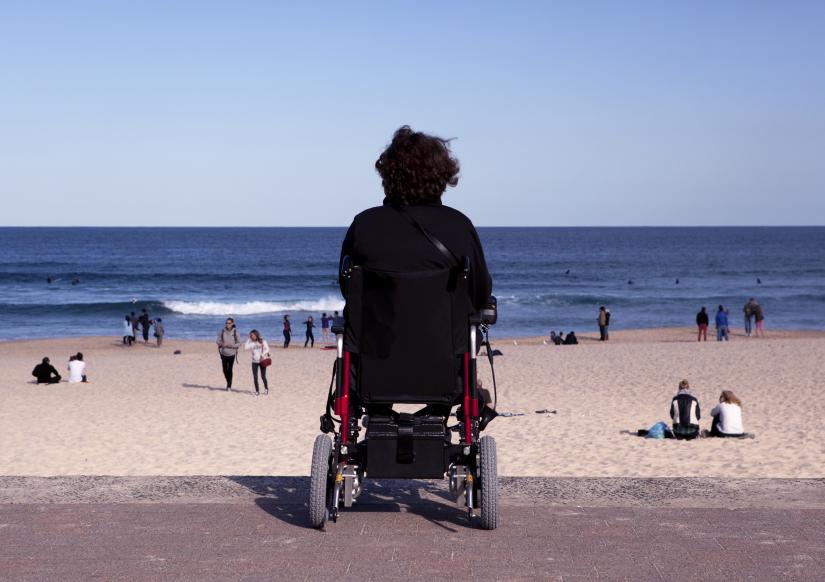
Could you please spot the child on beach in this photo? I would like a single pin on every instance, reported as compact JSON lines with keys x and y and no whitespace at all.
{"x":260,"y":353}
{"x":727,"y":416}
{"x":684,"y":411}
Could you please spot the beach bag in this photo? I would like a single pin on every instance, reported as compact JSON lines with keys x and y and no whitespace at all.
{"x":266,"y":361}
{"x":657,"y":431}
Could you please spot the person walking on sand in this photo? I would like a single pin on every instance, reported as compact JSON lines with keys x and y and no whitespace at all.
{"x":309,"y":335}
{"x":759,"y":317}
{"x":128,"y":332}
{"x":684,"y":412}
{"x":228,"y":344}
{"x":727,"y":416}
{"x":324,"y":328}
{"x":702,"y":323}
{"x":721,"y":324}
{"x":287,"y":331}
{"x":260,"y":358}
{"x":135,"y":324}
{"x":748,"y":312}
{"x":159,"y":331}
{"x":602,"y":321}
{"x":45,"y":372}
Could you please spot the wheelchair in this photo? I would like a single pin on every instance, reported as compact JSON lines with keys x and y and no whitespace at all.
{"x":407,"y":338}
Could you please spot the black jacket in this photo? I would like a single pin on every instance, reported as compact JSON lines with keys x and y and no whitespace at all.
{"x":384,"y":239}
{"x":702,"y":318}
{"x":44,"y":373}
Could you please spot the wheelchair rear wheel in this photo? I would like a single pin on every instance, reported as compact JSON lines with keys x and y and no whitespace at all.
{"x":489,"y":483}
{"x":319,"y":481}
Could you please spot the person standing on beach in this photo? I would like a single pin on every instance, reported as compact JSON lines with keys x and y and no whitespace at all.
{"x":759,"y":316}
{"x":287,"y":331}
{"x":721,"y":324}
{"x":228,"y":344}
{"x":135,"y":324}
{"x":159,"y":331}
{"x":260,"y":355}
{"x":128,"y":332}
{"x":310,"y":337}
{"x":748,"y":311}
{"x":324,"y":327}
{"x":45,"y":373}
{"x":145,"y":324}
{"x":702,"y":321}
{"x":602,"y":321}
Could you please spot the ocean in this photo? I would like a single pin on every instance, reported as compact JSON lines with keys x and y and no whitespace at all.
{"x":544,"y":278}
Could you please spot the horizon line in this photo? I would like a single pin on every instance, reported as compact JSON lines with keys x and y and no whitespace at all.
{"x":477,"y":226}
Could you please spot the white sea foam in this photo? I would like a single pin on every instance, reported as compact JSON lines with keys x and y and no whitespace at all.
{"x":328,"y":303}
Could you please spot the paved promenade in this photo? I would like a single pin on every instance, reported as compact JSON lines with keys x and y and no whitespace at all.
{"x":215,"y":528}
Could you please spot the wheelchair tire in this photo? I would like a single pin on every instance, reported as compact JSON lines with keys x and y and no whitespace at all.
{"x":319,"y":481}
{"x":489,"y":483}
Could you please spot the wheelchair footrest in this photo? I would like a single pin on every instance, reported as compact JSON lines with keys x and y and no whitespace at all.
{"x":407,"y":447}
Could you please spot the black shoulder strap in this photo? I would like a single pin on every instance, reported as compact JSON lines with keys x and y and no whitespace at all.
{"x":448,"y":254}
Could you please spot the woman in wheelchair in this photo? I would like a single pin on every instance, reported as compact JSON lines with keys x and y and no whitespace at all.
{"x":417,"y":293}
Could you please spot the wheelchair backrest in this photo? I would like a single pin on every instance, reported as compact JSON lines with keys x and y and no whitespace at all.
{"x":407,"y":333}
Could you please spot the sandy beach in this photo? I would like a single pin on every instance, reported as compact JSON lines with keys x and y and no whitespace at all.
{"x":147,"y":411}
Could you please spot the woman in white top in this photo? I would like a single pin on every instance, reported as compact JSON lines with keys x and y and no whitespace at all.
{"x":128,"y":331}
{"x":260,"y":351}
{"x":77,"y":368}
{"x":727,"y":416}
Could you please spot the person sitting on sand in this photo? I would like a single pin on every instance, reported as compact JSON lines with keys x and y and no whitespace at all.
{"x":727,"y":416}
{"x":77,"y":369}
{"x":571,"y":339}
{"x":553,"y":337}
{"x":45,"y":373}
{"x":684,"y":411}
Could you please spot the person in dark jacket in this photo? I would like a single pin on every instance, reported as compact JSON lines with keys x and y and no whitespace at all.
{"x":571,"y":339}
{"x":721,"y":324}
{"x":46,"y":373}
{"x":145,"y":324}
{"x":400,"y":235}
{"x":415,"y":170}
{"x":702,"y":322}
{"x":684,"y":411}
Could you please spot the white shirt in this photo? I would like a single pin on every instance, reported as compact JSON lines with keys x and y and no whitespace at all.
{"x":258,"y":350}
{"x":76,"y":370}
{"x":128,"y":329}
{"x":730,"y":417}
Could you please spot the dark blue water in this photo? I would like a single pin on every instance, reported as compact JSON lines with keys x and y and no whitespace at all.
{"x":194,"y":277}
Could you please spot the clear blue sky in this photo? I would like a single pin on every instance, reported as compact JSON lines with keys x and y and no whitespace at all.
{"x":267,"y":113}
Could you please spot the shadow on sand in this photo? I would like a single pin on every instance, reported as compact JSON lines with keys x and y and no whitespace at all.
{"x":219,"y":389}
{"x":285,"y":498}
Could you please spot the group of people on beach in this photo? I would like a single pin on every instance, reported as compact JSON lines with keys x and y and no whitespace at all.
{"x":309,"y":335}
{"x":45,"y":373}
{"x":143,"y":322}
{"x":754,"y":321}
{"x":229,"y":344}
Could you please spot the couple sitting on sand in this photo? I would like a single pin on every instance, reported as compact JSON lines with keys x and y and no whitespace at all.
{"x":45,"y":373}
{"x":684,"y":411}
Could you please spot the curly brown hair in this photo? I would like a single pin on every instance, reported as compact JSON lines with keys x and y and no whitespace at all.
{"x":416,"y":168}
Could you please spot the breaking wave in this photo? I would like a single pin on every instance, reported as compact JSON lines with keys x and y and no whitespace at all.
{"x":329,"y":303}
